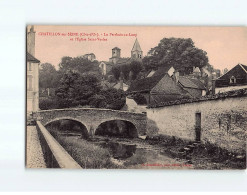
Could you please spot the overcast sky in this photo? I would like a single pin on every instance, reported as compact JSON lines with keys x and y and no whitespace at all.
{"x":225,"y":46}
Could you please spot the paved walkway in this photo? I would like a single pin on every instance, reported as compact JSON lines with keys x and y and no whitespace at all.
{"x":35,"y":158}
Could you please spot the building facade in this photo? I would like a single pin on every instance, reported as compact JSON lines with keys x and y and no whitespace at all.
{"x":32,"y":73}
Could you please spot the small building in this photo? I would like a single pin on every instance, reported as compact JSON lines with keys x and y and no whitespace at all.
{"x":234,"y":79}
{"x":158,"y":88}
{"x":90,"y":56}
{"x":105,"y":67}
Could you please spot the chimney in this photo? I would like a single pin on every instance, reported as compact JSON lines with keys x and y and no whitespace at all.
{"x":31,"y":40}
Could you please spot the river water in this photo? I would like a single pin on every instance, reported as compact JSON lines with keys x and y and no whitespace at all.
{"x":138,"y":154}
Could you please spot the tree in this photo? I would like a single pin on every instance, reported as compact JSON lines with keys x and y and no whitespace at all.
{"x":75,"y":89}
{"x":116,"y":72}
{"x":178,"y":52}
{"x":135,"y":68}
{"x":129,"y":70}
{"x":110,"y":99}
{"x":79,"y":64}
{"x":48,"y":76}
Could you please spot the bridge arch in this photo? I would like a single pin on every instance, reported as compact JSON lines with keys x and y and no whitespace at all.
{"x":117,"y":127}
{"x":84,"y":128}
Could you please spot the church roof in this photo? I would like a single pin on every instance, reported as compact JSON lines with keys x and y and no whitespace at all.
{"x":30,"y":58}
{"x":136,"y":46}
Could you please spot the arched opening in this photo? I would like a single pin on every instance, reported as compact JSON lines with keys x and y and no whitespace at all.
{"x":67,"y":127}
{"x":117,"y":128}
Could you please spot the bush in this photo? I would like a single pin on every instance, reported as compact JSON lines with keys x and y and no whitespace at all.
{"x":48,"y":103}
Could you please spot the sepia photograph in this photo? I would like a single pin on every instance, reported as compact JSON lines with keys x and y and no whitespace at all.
{"x":136,"y":97}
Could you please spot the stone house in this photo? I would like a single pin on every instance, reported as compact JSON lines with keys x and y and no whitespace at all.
{"x":32,"y":73}
{"x":159,"y":87}
{"x":234,"y":79}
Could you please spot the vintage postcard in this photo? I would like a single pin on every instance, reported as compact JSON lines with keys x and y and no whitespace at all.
{"x":136,"y":97}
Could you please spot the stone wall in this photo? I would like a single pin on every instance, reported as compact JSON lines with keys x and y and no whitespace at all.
{"x":223,"y":121}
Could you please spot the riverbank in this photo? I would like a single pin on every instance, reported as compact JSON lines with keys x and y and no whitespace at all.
{"x":201,"y":155}
{"x":86,"y":154}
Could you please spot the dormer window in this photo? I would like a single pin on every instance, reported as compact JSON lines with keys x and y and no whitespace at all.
{"x":232,"y":79}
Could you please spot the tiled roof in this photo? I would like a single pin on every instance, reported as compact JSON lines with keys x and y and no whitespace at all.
{"x":238,"y":71}
{"x":162,"y":70}
{"x":244,"y":67}
{"x":191,"y":83}
{"x":30,"y":58}
{"x":147,"y":84}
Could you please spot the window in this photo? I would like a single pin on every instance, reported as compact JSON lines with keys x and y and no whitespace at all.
{"x":29,"y":66}
{"x":232,"y":79}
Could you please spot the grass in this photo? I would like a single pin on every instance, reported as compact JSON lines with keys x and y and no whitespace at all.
{"x":86,"y":154}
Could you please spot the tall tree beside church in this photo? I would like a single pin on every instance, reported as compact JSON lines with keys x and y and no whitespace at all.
{"x":178,"y":52}
{"x":48,"y":76}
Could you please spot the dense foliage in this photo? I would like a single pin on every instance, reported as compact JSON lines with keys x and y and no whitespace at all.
{"x":78,"y":90}
{"x":48,"y":76}
{"x":178,"y":52}
{"x":79,"y":64}
{"x":130,"y":70}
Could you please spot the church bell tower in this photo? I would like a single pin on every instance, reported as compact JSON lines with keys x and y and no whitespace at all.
{"x":136,"y":52}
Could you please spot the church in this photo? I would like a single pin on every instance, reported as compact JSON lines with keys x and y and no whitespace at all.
{"x":116,"y":59}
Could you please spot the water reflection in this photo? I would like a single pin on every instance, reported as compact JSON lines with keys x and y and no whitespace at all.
{"x":118,"y":150}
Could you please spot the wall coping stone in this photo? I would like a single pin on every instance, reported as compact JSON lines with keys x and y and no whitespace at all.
{"x":219,"y":96}
{"x":96,"y":109}
{"x":64,"y":160}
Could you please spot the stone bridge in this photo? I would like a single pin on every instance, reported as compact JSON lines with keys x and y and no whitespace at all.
{"x":91,"y":118}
